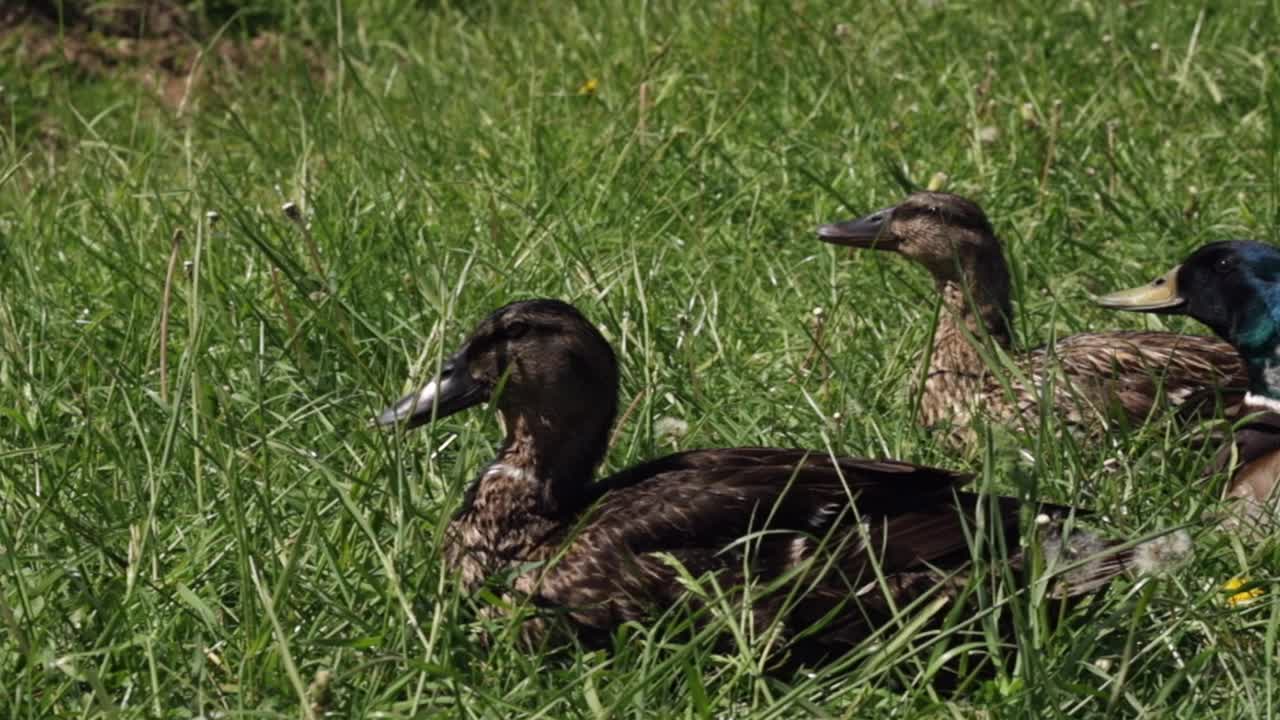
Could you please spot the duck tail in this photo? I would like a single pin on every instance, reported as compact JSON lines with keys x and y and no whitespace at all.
{"x":1085,"y":562}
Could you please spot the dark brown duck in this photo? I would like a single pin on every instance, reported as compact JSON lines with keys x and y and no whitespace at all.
{"x":1096,"y":376}
{"x":599,"y":552}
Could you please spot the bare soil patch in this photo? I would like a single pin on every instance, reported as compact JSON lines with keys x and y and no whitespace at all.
{"x":158,"y":43}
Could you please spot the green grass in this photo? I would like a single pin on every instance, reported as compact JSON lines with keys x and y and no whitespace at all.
{"x":207,"y":552}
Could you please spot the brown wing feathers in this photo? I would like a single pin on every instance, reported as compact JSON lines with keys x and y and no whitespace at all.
{"x":794,"y":491}
{"x":1135,"y":369}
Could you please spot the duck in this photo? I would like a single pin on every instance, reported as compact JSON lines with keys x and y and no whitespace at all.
{"x":1233,"y":288}
{"x":1086,"y":379}
{"x":864,"y":538}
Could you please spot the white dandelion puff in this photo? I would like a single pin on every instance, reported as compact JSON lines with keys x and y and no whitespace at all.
{"x":1163,"y":553}
{"x":670,"y":428}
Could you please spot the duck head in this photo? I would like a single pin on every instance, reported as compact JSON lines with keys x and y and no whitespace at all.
{"x":1232,"y":287}
{"x":548,"y":371}
{"x":949,"y":235}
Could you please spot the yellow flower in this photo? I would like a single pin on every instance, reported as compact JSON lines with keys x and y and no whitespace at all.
{"x":589,"y":87}
{"x":1242,"y":597}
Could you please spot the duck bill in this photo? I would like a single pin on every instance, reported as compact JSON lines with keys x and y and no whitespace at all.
{"x":452,"y":391}
{"x":1158,"y":296}
{"x":868,"y":231}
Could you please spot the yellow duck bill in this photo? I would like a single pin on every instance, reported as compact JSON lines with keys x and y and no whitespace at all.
{"x":1159,"y":295}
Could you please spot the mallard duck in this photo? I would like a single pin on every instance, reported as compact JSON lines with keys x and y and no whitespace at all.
{"x":1234,"y":289}
{"x":1095,"y":375}
{"x":873,"y":535}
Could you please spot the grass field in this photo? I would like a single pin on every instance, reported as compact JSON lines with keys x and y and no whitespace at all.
{"x":196,"y":518}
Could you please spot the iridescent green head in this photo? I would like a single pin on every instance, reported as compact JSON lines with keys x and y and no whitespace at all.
{"x":1234,"y":288}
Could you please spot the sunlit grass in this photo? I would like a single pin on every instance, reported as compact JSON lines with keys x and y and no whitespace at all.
{"x":210,"y":551}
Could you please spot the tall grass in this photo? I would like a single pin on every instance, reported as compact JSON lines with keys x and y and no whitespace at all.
{"x":216,"y":549}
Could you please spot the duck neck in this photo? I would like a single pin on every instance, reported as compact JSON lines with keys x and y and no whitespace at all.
{"x":1258,"y":343}
{"x":971,"y":311}
{"x":543,"y":465}
{"x":560,"y":455}
{"x":526,"y":497}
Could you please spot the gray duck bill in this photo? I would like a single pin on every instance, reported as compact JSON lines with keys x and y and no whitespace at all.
{"x":452,"y":391}
{"x":867,"y":231}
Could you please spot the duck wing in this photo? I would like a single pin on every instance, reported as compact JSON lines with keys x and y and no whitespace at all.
{"x":866,"y":534}
{"x":767,"y":464}
{"x":1132,"y":371}
{"x":680,"y":501}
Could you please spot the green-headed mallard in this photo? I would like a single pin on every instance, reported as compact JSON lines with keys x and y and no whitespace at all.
{"x":1234,"y":289}
{"x":1095,"y":375}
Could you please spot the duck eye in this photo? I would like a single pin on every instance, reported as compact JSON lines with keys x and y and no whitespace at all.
{"x":517,"y":330}
{"x":1224,"y":264}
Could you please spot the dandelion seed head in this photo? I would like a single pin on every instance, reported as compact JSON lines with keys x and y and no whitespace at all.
{"x":670,"y":428}
{"x":1163,"y":553}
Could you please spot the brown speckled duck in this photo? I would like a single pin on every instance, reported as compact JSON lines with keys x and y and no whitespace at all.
{"x":861,"y":537}
{"x":1234,"y":289}
{"x":1096,"y":376}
